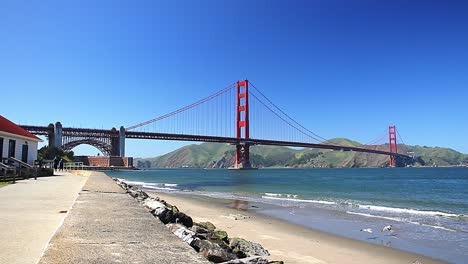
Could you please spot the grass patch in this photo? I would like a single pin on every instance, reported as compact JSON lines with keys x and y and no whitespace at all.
{"x":2,"y":183}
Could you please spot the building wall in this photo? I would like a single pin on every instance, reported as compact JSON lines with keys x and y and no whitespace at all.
{"x":32,"y":148}
{"x":105,"y":161}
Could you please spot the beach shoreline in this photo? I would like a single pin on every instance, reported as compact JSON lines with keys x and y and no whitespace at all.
{"x":286,"y":241}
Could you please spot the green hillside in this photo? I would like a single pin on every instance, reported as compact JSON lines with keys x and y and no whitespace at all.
{"x":215,"y":155}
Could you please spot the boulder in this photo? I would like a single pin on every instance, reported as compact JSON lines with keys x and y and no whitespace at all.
{"x":183,"y":219}
{"x":182,"y":232}
{"x":252,"y":260}
{"x":201,"y":232}
{"x":153,"y":204}
{"x":122,"y":184}
{"x":222,"y":235}
{"x":212,"y":251}
{"x":142,"y":196}
{"x":249,"y":260}
{"x":207,"y":225}
{"x":219,"y":237}
{"x":133,"y":191}
{"x":166,"y":216}
{"x":243,"y":248}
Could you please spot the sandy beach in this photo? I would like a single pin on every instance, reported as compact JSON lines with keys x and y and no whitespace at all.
{"x":288,"y":242}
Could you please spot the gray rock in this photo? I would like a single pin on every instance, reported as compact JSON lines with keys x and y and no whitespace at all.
{"x":142,"y":196}
{"x":154,"y":204}
{"x":219,"y":237}
{"x":212,"y":251}
{"x":167,"y":216}
{"x":243,"y":248}
{"x":182,"y":232}
{"x":207,"y":225}
{"x":201,"y":232}
{"x":249,"y":260}
{"x":122,"y":184}
{"x":183,"y":219}
{"x":134,"y":191}
{"x":222,"y":235}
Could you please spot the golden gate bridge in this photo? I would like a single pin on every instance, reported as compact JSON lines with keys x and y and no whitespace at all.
{"x":239,"y":114}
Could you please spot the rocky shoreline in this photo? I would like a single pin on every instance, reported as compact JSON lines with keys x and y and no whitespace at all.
{"x":212,"y":243}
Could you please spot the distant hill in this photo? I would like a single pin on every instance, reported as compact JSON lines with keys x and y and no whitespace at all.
{"x":215,"y":155}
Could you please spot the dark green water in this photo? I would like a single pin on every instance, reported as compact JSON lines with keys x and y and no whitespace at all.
{"x":428,"y":207}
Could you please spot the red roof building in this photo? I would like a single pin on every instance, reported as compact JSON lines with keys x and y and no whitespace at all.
{"x":16,"y":142}
{"x":12,"y":128}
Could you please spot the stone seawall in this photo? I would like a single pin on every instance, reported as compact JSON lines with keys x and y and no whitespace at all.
{"x":211,"y":242}
{"x":106,"y":225}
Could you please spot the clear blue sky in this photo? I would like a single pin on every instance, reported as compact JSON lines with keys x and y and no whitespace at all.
{"x":341,"y":68}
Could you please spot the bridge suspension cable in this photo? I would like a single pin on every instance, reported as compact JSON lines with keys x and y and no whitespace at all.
{"x":215,"y":116}
{"x":279,"y":113}
{"x":184,"y":109}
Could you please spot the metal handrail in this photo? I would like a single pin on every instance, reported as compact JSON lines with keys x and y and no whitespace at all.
{"x":22,"y":163}
{"x":6,"y":168}
{"x":73,"y":165}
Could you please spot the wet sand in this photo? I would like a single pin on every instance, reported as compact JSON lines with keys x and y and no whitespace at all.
{"x":288,"y":242}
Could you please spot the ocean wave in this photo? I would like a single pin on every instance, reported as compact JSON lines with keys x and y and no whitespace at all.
{"x":152,"y":187}
{"x":397,"y":219}
{"x":396,"y":210}
{"x":281,"y":195}
{"x":405,"y":210}
{"x":137,"y":183}
{"x":298,"y":200}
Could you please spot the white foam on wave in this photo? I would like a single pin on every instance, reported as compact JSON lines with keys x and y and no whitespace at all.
{"x":377,"y":216}
{"x":405,"y":210}
{"x":397,"y":219}
{"x":298,"y":200}
{"x":152,"y":187}
{"x":133,"y":182}
{"x":287,"y":195}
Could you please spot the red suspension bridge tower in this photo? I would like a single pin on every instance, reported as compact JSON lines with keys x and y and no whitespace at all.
{"x":242,"y":125}
{"x":392,"y":144}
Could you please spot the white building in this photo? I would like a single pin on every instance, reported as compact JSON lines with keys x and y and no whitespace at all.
{"x":17,"y":142}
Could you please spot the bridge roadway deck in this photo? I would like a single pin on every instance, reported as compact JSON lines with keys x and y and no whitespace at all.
{"x":99,"y":133}
{"x":106,"y":225}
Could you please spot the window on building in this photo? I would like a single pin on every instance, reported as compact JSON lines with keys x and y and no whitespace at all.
{"x":11,"y":148}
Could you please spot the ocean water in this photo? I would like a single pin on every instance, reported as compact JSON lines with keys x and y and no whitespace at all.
{"x":427,"y":207}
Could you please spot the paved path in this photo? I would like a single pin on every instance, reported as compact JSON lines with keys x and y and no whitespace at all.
{"x":106,"y":225}
{"x":30,"y":214}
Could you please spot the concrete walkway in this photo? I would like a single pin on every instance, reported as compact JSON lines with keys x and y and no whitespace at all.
{"x":106,"y":225}
{"x":30,"y":213}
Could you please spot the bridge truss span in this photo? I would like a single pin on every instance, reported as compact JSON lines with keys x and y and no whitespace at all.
{"x":109,"y":142}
